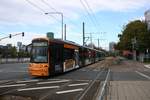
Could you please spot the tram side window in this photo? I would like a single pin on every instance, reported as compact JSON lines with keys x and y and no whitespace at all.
{"x":86,"y":53}
{"x":68,"y":54}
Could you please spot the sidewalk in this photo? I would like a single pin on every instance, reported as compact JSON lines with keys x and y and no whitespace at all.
{"x":129,"y":81}
{"x":129,"y":90}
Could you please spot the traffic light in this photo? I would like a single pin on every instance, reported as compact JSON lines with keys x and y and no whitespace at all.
{"x":9,"y":35}
{"x":22,"y":33}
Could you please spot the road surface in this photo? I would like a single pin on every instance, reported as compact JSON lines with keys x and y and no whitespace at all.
{"x":81,"y":84}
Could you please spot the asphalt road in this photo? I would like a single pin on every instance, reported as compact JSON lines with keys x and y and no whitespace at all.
{"x":15,"y":71}
{"x":80,"y":84}
{"x":130,"y":71}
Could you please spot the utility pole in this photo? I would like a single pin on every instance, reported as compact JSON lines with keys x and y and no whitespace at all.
{"x":83,"y":34}
{"x":65,"y":32}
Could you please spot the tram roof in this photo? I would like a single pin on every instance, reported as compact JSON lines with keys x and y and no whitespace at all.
{"x":63,"y":42}
{"x":60,"y":41}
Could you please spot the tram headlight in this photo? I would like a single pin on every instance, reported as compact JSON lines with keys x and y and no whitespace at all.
{"x":45,"y":66}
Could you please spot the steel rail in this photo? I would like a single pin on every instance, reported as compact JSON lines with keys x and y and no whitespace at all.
{"x":91,"y":84}
{"x":103,"y":89}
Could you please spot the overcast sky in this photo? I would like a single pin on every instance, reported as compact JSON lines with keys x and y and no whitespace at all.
{"x":103,"y":18}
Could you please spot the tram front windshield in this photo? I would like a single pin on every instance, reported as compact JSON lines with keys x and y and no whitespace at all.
{"x":39,"y":52}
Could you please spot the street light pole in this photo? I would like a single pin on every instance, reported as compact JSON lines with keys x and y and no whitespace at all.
{"x":98,"y":43}
{"x":62,"y":20}
{"x":62,"y":25}
{"x":83,"y":33}
{"x":65,"y":32}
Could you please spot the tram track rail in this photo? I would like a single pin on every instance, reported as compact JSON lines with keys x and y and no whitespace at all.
{"x":81,"y":89}
{"x":102,"y":94}
{"x":93,"y":82}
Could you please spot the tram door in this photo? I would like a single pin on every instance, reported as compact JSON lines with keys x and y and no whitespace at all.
{"x":56,"y":58}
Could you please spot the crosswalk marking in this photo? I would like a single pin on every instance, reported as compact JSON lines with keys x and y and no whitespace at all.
{"x":53,"y":82}
{"x":69,"y":91}
{"x":14,"y":85}
{"x":78,"y":84}
{"x":38,"y":88}
{"x":27,"y":81}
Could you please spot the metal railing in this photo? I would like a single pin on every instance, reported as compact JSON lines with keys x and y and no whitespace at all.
{"x":14,"y":60}
{"x":103,"y":93}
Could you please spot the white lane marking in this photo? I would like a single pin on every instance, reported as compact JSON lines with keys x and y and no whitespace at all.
{"x":142,"y":74}
{"x":53,"y":82}
{"x":78,"y":84}
{"x":96,"y":70}
{"x":68,"y":91}
{"x":55,"y":79}
{"x":15,"y":85}
{"x":38,"y":88}
{"x":27,"y":81}
{"x":3,"y":81}
{"x":147,"y":66}
{"x":83,"y":70}
{"x":84,"y":80}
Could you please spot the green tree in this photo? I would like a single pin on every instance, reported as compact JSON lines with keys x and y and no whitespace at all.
{"x":135,"y":29}
{"x":13,"y":52}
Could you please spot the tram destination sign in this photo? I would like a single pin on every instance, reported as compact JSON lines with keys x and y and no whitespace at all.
{"x":40,"y":44}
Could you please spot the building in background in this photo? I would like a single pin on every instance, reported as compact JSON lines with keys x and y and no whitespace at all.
{"x":29,"y":47}
{"x":111,"y":46}
{"x":19,"y":46}
{"x":147,"y":18}
{"x":24,"y":48}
